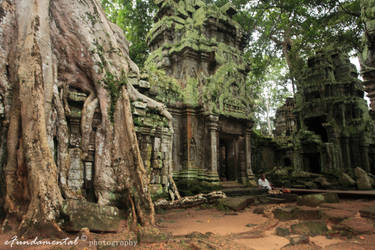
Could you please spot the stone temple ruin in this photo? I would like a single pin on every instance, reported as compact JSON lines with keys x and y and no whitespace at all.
{"x":335,"y":130}
{"x":196,"y":68}
{"x":285,"y":121}
{"x":200,"y":47}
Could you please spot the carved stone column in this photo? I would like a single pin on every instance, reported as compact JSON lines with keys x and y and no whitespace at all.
{"x":365,"y":158}
{"x":249,"y":170}
{"x":213,"y":127}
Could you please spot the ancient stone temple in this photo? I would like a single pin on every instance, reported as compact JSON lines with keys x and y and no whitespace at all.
{"x":367,"y":56}
{"x":154,"y":137}
{"x":335,"y":130}
{"x":196,"y":67}
{"x":285,"y":123}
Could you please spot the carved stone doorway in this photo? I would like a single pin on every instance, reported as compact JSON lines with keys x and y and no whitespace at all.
{"x":228,"y":165}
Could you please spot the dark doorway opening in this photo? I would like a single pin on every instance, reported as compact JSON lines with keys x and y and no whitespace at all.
{"x":228,"y":159}
{"x":316,"y":125}
{"x":312,"y":163}
{"x":372,"y":158}
{"x":287,"y":162}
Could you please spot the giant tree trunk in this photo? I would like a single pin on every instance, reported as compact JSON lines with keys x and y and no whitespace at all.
{"x":367,"y":58}
{"x":46,"y":48}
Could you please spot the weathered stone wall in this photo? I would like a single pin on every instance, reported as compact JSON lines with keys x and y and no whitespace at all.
{"x":335,"y":130}
{"x":197,"y":68}
{"x":155,"y":146}
{"x":285,"y":124}
{"x":268,"y":154}
{"x":368,"y":56}
{"x":155,"y":139}
{"x":190,"y":142}
{"x":81,"y":171}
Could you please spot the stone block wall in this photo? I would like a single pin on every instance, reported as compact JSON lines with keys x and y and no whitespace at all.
{"x":155,"y":139}
{"x":285,"y":124}
{"x":156,"y":151}
{"x":335,"y":130}
{"x":81,"y":172}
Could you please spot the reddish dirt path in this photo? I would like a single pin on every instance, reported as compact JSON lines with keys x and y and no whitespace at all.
{"x":227,"y":226}
{"x":182,"y":222}
{"x":200,"y":228}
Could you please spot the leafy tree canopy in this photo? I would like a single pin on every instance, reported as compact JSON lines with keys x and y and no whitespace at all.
{"x":282,"y":34}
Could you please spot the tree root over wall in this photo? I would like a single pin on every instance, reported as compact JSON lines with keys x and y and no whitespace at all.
{"x":48,"y":47}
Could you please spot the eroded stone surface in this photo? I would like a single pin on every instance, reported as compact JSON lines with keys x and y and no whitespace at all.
{"x":311,"y":228}
{"x":364,"y":182}
{"x":80,"y":214}
{"x":336,"y":215}
{"x":196,"y":68}
{"x":238,"y":203}
{"x":314,"y":200}
{"x":336,"y":131}
{"x":358,"y":225}
{"x":368,"y":212}
{"x":301,"y":213}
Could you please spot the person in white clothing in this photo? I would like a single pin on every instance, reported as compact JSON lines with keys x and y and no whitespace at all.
{"x":263,"y":183}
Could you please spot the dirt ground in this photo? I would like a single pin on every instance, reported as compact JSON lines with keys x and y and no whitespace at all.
{"x":209,"y":228}
{"x":247,"y":230}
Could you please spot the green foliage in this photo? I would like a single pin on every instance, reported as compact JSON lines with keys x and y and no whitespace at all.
{"x":190,"y":93}
{"x":277,"y":30}
{"x":135,"y":18}
{"x":295,"y":29}
{"x":167,"y":88}
{"x":222,"y":92}
{"x":113,"y":84}
{"x":269,"y":92}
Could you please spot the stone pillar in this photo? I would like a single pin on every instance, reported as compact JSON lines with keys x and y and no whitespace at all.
{"x":249,"y":170}
{"x":346,"y":153}
{"x":189,"y":113}
{"x":365,"y":158}
{"x":212,"y":127}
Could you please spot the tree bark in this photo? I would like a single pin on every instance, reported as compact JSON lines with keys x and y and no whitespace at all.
{"x":367,"y":58}
{"x":52,"y":46}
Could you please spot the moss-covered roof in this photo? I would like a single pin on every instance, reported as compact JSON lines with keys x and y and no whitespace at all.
{"x":205,"y":31}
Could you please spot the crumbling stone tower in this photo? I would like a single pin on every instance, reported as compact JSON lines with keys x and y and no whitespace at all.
{"x":335,"y":130}
{"x":285,"y":124}
{"x":368,"y":56}
{"x":199,"y":47}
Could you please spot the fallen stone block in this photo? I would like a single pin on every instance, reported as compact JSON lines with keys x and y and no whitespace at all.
{"x":314,"y":200}
{"x":78,"y":214}
{"x":259,"y":210}
{"x":358,"y":225}
{"x":285,"y":214}
{"x":368,"y":212}
{"x":364,"y":182}
{"x":336,"y":215}
{"x":281,"y":231}
{"x":238,"y":203}
{"x":299,"y":239}
{"x":293,"y":213}
{"x":346,"y":181}
{"x":311,"y":228}
{"x":307,"y":213}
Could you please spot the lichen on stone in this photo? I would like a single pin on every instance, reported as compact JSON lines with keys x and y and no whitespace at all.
{"x":196,"y":58}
